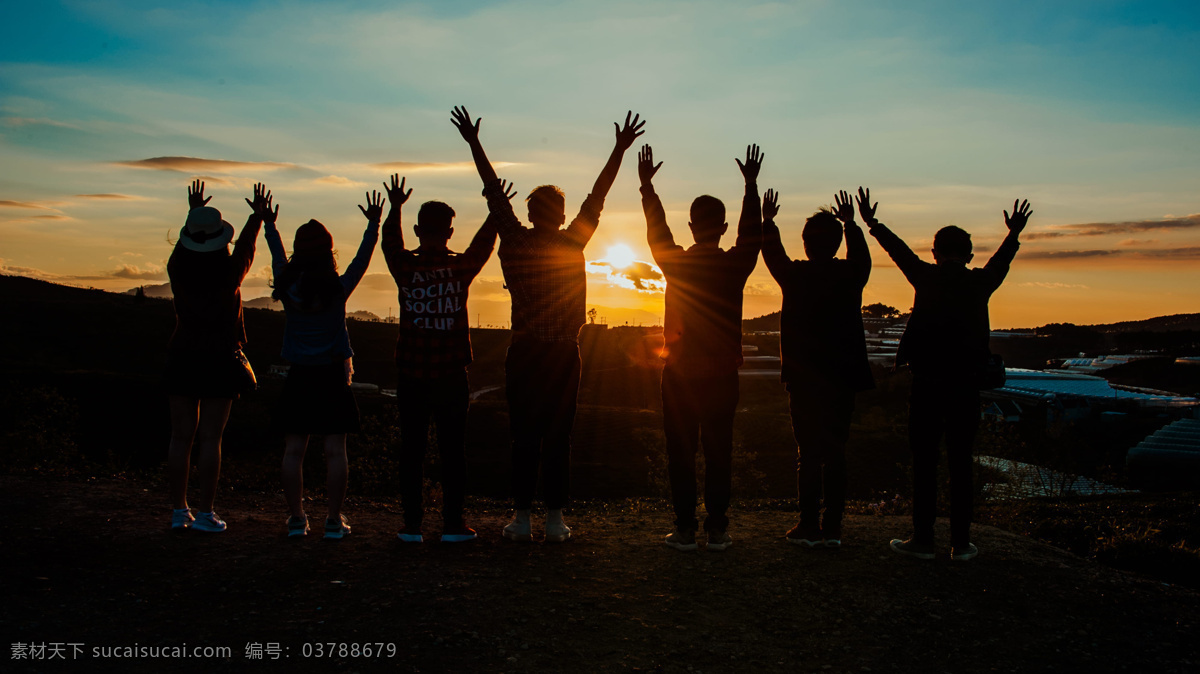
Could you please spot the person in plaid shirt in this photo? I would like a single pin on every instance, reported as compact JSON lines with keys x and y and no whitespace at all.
{"x":544,"y":270}
{"x":432,"y":353}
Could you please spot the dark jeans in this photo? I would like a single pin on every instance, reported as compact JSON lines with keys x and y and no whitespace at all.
{"x":821,"y":424}
{"x":542,"y":386}
{"x":695,"y":410}
{"x":444,"y":401}
{"x":942,"y":404}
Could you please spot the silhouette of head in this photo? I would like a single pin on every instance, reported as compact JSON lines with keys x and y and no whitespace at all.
{"x":822,"y":235}
{"x":434,"y":224}
{"x":547,"y":207}
{"x":952,"y":245}
{"x":312,"y":270}
{"x":708,"y":219}
{"x":311,"y":239}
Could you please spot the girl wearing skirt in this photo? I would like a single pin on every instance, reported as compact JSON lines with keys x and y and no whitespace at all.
{"x":206,"y":370}
{"x":316,"y":397}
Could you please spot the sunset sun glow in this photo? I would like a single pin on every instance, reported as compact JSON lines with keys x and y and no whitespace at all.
{"x":619,"y":256}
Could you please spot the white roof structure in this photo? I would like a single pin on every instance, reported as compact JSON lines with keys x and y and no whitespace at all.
{"x":1064,"y":383}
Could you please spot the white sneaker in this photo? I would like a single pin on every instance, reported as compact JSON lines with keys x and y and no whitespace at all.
{"x":210,"y":522}
{"x":181,"y":519}
{"x":519,"y":528}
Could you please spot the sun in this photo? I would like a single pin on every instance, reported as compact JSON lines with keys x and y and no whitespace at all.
{"x":619,"y":256}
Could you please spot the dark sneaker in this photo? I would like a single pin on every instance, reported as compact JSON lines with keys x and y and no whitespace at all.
{"x":963,"y":553}
{"x":209,"y":522}
{"x":298,"y":526}
{"x":682,"y":540}
{"x":809,"y":537}
{"x":460,"y":534}
{"x":181,"y":519}
{"x":912,"y":548}
{"x":557,"y":532}
{"x":718,"y":541}
{"x":336,"y":529}
{"x":410,"y":534}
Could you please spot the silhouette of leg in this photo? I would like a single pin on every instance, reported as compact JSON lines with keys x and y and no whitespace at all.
{"x":681,"y":426}
{"x":338,"y":473}
{"x":840,"y":409}
{"x":925,"y":427}
{"x":962,"y":423}
{"x":806,"y":412}
{"x":412,"y":402}
{"x":716,"y":433}
{"x":214,"y":413}
{"x":294,"y":446}
{"x":561,"y":398}
{"x":184,"y":415}
{"x":521,"y":370}
{"x":450,"y":411}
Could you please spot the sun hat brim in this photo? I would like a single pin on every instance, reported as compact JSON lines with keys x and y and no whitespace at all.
{"x":208,"y":245}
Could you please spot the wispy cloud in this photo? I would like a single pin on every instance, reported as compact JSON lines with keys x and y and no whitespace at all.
{"x":109,"y":197}
{"x":4,"y":203}
{"x":36,"y":121}
{"x":1051,"y":285}
{"x":641,"y":276}
{"x":1108,"y":228}
{"x":339,"y":181}
{"x":150,"y":272}
{"x":192,"y":164}
{"x":1165,"y":254}
{"x":421,"y":166}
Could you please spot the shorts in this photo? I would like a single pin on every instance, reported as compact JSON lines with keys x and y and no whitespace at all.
{"x":202,"y":375}
{"x":317,"y":400}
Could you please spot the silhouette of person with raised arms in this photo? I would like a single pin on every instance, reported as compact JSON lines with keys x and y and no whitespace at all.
{"x":316,"y":397}
{"x":824,"y":355}
{"x":946,"y":346}
{"x":433,"y":349}
{"x":702,"y":332}
{"x":544,"y":271}
{"x":206,"y":370}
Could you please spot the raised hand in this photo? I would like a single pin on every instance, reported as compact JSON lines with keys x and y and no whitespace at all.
{"x":374,"y":208}
{"x":646,"y":166}
{"x":261,"y":205}
{"x":845,"y":207}
{"x":461,"y":119}
{"x":196,"y":195}
{"x":505,"y":188}
{"x":865,"y":209}
{"x":629,"y":133}
{"x":770,"y":207}
{"x":396,"y":193}
{"x":1019,"y":218}
{"x":753,"y":164}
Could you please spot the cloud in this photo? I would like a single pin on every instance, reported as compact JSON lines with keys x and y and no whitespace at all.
{"x":1107,"y":228}
{"x":37,"y":121}
{"x":1165,"y":254}
{"x":762,"y":289}
{"x":1051,"y":285}
{"x":109,"y":197}
{"x":422,"y":166}
{"x":338,"y":180}
{"x":485,"y":287}
{"x":50,"y":217}
{"x":4,"y":203}
{"x":149,"y":273}
{"x":641,"y":276}
{"x":193,"y":164}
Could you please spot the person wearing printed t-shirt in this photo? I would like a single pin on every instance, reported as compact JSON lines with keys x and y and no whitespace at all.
{"x":824,"y":356}
{"x":316,"y":398}
{"x":433,"y":350}
{"x":946,"y":346}
{"x":544,"y":270}
{"x":204,"y":363}
{"x":702,"y":335}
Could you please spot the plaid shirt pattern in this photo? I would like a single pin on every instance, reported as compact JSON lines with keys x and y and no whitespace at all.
{"x":435,"y":336}
{"x":544,"y":271}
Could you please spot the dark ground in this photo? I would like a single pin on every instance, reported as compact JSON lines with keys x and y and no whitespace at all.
{"x":93,"y":563}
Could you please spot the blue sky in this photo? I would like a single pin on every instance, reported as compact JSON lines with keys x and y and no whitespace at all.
{"x":946,"y":110}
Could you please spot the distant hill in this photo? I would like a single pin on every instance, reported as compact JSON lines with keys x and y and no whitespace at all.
{"x":154,"y":290}
{"x":263,"y":303}
{"x":1158,"y":324}
{"x":767,"y":323}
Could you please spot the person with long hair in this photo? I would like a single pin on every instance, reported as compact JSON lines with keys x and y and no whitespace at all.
{"x":206,"y":370}
{"x":316,"y":398}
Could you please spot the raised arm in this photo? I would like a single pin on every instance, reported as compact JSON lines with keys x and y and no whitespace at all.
{"x":262,"y":214}
{"x":857,"y":253}
{"x":584,"y":225}
{"x":484,"y":242}
{"x":362,"y":259}
{"x":393,"y":233}
{"x":662,"y":244}
{"x":773,"y":252}
{"x":901,"y":254}
{"x":1001,"y":260}
{"x":506,"y":222}
{"x":749,"y":234}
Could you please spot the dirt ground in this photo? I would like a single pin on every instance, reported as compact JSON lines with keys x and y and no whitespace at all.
{"x":94,"y":564}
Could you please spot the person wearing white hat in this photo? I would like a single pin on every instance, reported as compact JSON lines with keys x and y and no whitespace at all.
{"x":206,"y":370}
